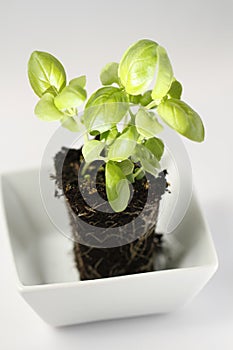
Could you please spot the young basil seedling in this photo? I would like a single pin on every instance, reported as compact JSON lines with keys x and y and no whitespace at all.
{"x":141,"y":64}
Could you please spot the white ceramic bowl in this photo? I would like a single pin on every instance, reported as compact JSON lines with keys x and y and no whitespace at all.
{"x":48,"y":281}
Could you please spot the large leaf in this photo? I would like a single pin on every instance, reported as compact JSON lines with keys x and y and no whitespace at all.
{"x":70,"y":97}
{"x":46,"y":109}
{"x":105,"y":108}
{"x":117,"y":187}
{"x":164,"y":75}
{"x":109,"y":74}
{"x":137,"y":66}
{"x":124,"y":145}
{"x":182,"y":118}
{"x":46,"y":73}
{"x":91,"y":150}
{"x":147,"y":124}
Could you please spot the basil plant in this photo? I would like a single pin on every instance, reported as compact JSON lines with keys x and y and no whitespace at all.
{"x":143,"y":77}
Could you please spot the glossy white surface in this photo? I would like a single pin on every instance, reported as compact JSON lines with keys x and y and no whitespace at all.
{"x":84,"y":35}
{"x":49,"y":283}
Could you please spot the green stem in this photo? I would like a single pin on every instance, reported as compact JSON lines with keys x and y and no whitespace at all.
{"x":132,"y":120}
{"x":70,"y":112}
{"x":140,"y":139}
{"x":151,"y":105}
{"x":54,"y":90}
{"x":137,"y":172}
{"x":86,"y":138}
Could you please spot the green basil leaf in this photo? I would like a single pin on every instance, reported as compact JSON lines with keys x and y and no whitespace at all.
{"x":175,"y":90}
{"x":117,"y":187}
{"x":103,"y":135}
{"x":105,"y":108}
{"x":130,"y":178}
{"x":126,"y":166}
{"x":124,"y":145}
{"x":146,"y":98}
{"x":134,"y":99}
{"x":147,"y":124}
{"x":140,"y":175}
{"x":121,"y":149}
{"x":134,"y":158}
{"x":164,"y":75}
{"x":137,"y":66}
{"x":45,"y":72}
{"x":70,"y":97}
{"x":46,"y":109}
{"x":91,"y":150}
{"x":182,"y":118}
{"x":80,"y":81}
{"x":109,"y":74}
{"x":147,"y":159}
{"x":112,"y":135}
{"x":156,"y":146}
{"x":70,"y":123}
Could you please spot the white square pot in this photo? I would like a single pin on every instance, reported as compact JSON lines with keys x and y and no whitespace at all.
{"x":48,"y":281}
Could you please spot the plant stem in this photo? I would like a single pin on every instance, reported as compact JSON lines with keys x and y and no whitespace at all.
{"x":151,"y":105}
{"x":132,"y":120}
{"x":85,"y":136}
{"x":137,"y":172}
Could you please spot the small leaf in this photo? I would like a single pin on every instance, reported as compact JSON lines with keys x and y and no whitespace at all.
{"x":45,"y":72}
{"x":94,"y":133}
{"x":124,"y":145}
{"x":70,"y":123}
{"x":146,"y":98}
{"x":134,"y":99}
{"x":140,"y":175}
{"x":134,"y":158}
{"x":105,"y":108}
{"x":156,"y":146}
{"x":126,"y":166}
{"x":91,"y":150}
{"x":103,"y":135}
{"x":147,"y":159}
{"x":137,"y":66}
{"x":117,"y":187}
{"x":182,"y":118}
{"x":175,"y":90}
{"x":80,"y":81}
{"x":109,"y":74}
{"x":46,"y":109}
{"x":70,"y":97}
{"x":130,"y":178}
{"x":147,"y":124}
{"x":164,"y":76}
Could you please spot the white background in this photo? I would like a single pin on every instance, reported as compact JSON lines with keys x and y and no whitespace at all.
{"x":85,"y":35}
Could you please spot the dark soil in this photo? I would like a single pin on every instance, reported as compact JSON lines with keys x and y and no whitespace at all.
{"x":102,"y":237}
